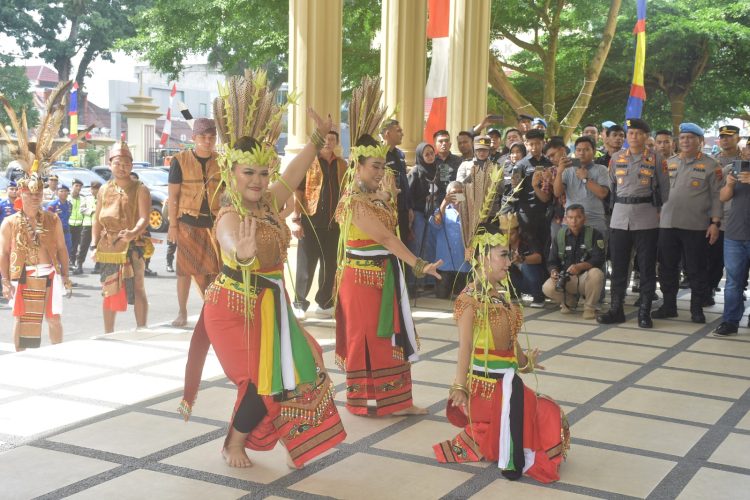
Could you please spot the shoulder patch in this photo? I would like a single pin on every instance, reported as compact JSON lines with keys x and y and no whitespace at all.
{"x":719,"y":173}
{"x":600,"y":244}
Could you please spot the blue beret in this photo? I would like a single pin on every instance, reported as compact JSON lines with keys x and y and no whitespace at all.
{"x":63,"y":186}
{"x":12,"y":184}
{"x":608,"y":124}
{"x":537,"y":121}
{"x":691,"y":128}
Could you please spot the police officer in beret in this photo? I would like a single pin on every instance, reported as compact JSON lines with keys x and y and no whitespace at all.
{"x":639,"y":185}
{"x":690,"y":221}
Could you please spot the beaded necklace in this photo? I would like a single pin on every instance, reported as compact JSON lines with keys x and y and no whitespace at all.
{"x":29,"y":237}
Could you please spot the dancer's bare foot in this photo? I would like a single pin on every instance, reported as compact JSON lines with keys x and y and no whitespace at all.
{"x":180,"y":320}
{"x":236,"y":456}
{"x":412,"y":410}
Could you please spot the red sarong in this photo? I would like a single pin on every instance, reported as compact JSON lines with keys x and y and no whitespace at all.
{"x":375,"y":368}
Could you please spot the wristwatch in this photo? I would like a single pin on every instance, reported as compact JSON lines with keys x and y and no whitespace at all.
{"x":716,"y":223}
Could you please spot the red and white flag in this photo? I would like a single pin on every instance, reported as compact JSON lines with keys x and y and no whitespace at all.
{"x":168,"y":122}
{"x":436,"y":90}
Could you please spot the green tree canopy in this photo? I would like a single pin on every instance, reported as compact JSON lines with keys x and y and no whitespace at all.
{"x":540,"y":30}
{"x":238,"y":34}
{"x":14,"y":85}
{"x":61,"y":31}
{"x":695,"y":68}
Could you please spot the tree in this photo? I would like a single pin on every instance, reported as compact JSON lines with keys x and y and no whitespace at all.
{"x":239,"y":34}
{"x":15,"y":86}
{"x":61,"y":31}
{"x":536,"y":27}
{"x":703,"y":92}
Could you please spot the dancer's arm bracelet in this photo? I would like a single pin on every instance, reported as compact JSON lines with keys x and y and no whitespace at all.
{"x":318,"y":140}
{"x":419,"y":268}
{"x":528,"y":368}
{"x":245,"y":262}
{"x":458,"y":387}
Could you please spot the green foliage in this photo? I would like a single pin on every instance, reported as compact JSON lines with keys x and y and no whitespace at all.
{"x":239,"y":34}
{"x":60,"y":31}
{"x":677,"y":35}
{"x":15,"y":86}
{"x":92,"y":156}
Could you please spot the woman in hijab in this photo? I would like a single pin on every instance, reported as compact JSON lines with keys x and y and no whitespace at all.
{"x":426,"y":192}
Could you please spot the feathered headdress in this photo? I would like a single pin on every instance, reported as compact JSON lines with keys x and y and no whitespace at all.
{"x":480,"y":195}
{"x":35,"y":159}
{"x":247,"y":107}
{"x":365,"y":116}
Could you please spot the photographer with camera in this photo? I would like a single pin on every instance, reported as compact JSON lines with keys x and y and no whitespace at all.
{"x":736,"y":243}
{"x":574,"y":263}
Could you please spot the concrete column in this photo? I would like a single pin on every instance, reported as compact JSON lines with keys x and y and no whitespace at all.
{"x":469,"y":35}
{"x":314,"y":65}
{"x":403,"y":67}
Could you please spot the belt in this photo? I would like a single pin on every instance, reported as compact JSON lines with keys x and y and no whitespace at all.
{"x":259,"y":282}
{"x":633,"y":200}
{"x":377,"y":259}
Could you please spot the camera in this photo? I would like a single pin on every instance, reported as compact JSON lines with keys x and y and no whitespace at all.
{"x":562,"y":278}
{"x":740,"y":166}
{"x":575,"y":162}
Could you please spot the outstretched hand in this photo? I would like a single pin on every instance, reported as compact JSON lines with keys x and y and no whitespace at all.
{"x":246,"y":247}
{"x":532,"y":356}
{"x":323,"y":126}
{"x":432,"y":269}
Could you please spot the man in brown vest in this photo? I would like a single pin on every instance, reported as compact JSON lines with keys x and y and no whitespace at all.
{"x":318,"y":234}
{"x":193,"y":205}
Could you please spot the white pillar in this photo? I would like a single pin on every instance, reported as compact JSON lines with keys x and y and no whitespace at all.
{"x":403,"y":67}
{"x":314,"y":65}
{"x":469,"y":35}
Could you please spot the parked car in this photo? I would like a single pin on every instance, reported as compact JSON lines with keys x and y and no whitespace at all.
{"x":66,"y":175}
{"x":156,"y":180}
{"x":102,"y":171}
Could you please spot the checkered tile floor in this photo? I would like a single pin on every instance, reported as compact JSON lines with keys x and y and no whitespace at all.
{"x":654,"y":414}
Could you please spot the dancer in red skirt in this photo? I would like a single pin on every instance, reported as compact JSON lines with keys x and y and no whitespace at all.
{"x":375,"y":337}
{"x":284,"y":392}
{"x":502,"y":420}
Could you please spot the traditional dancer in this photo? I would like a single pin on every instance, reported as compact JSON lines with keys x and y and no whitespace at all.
{"x":121,"y":218}
{"x":284,"y":392}
{"x":33,"y":253}
{"x":502,"y":419}
{"x":375,"y":337}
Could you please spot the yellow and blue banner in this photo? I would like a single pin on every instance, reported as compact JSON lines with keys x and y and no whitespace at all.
{"x":637,"y":88}
{"x":73,"y":115}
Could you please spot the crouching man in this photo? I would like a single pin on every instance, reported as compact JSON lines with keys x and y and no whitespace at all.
{"x":575,"y":262}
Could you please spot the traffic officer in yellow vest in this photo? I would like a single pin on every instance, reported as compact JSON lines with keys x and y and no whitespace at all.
{"x":639,"y":185}
{"x":690,"y":221}
{"x":192,"y":206}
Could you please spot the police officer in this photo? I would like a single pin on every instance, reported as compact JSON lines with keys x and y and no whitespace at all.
{"x":480,"y":161}
{"x":639,"y":184}
{"x":690,"y":221}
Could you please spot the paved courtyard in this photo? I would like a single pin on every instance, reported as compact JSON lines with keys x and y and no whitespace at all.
{"x":654,"y":414}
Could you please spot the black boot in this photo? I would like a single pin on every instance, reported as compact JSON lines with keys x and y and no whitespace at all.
{"x":644,"y":313}
{"x":696,"y":308}
{"x":668,"y":309}
{"x":615,"y":313}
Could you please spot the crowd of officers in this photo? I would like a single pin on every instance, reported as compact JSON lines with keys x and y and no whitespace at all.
{"x":650,"y":205}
